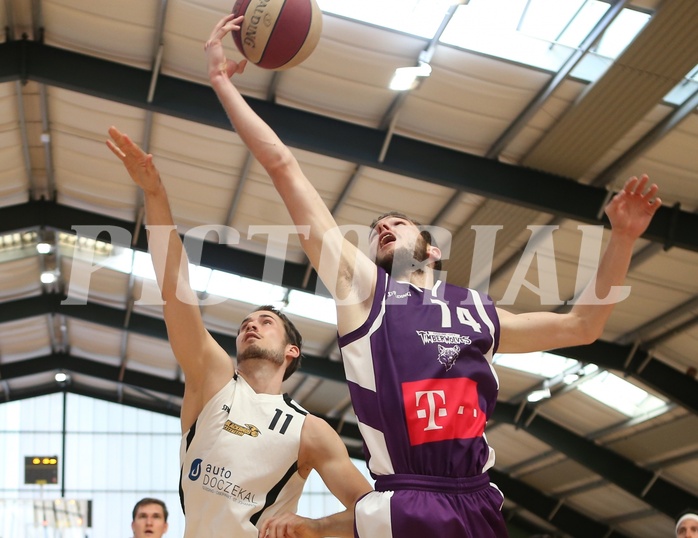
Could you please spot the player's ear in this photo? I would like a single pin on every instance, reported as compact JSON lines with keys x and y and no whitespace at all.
{"x":292,"y":351}
{"x":434,"y":253}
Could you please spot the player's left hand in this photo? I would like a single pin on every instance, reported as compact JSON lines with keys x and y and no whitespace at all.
{"x":290,"y":526}
{"x":631,"y":210}
{"x":217,"y":61}
{"x":138,"y":163}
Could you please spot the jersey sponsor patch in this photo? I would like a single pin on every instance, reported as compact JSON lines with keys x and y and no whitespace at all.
{"x":442,"y":409}
{"x":247,"y":429}
{"x":195,"y":471}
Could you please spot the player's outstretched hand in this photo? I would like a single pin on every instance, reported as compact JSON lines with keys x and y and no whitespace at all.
{"x":631,"y":210}
{"x":290,"y":526}
{"x":138,"y":163}
{"x":217,"y":62}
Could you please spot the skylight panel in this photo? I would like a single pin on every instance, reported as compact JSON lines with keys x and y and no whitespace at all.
{"x":603,"y":386}
{"x":621,"y":33}
{"x":621,"y":395}
{"x":215,"y":282}
{"x":417,"y":17}
{"x":506,"y":29}
{"x":311,"y":306}
{"x":246,"y":290}
{"x":543,"y":33}
{"x":567,"y":22}
{"x":142,"y":264}
{"x":199,"y":277}
{"x":685,"y":89}
{"x":538,"y":363}
{"x":539,"y":33}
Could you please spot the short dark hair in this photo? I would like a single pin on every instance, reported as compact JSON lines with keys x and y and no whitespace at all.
{"x":430,"y":240}
{"x":150,"y":500}
{"x":293,"y":337}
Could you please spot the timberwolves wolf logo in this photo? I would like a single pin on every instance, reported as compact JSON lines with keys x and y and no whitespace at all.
{"x":448,"y":356}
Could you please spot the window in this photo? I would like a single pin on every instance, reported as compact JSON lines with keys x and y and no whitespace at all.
{"x":603,"y":386}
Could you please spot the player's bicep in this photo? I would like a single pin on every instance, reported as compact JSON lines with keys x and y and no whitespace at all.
{"x":536,"y":331}
{"x":329,"y":457}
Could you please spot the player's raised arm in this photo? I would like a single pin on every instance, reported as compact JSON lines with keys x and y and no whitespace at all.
{"x":630,"y":212}
{"x":354,"y":275}
{"x":202,"y":360}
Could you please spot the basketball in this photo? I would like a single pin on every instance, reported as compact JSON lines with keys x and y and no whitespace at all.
{"x":277,"y":34}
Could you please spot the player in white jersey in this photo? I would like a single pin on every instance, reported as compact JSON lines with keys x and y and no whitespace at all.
{"x":417,"y":355}
{"x":246,"y":449}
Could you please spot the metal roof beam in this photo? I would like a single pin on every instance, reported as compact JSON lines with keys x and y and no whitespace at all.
{"x":144,"y":325}
{"x":69,"y":363}
{"x":49,"y":214}
{"x":343,"y":140}
{"x":551,"y":509}
{"x":106,"y":372}
{"x":673,"y":384}
{"x":639,"y":363}
{"x":642,"y":483}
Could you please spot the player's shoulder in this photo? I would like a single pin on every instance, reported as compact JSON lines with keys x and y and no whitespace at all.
{"x":315,"y":423}
{"x":316,"y":428}
{"x":293,"y":405}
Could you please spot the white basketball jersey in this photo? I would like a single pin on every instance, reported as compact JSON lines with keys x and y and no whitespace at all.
{"x":240,"y":462}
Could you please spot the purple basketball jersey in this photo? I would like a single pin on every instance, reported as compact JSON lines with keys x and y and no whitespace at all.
{"x":421,"y":379}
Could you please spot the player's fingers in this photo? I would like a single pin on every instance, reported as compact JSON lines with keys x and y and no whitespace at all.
{"x":222,"y":22}
{"x":641,"y":184}
{"x":116,"y":137}
{"x":227,"y":25}
{"x":651,"y":191}
{"x":115,"y":150}
{"x":630,"y":185}
{"x":654,"y":204}
{"x":217,"y":29}
{"x":114,"y":132}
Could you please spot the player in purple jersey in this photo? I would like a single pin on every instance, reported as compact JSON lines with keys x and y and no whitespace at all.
{"x":418,"y":352}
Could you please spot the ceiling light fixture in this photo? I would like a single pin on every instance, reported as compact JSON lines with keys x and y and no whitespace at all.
{"x":405,"y":78}
{"x":48,"y":277}
{"x":61,"y":377}
{"x":538,"y":395}
{"x":43,"y":247}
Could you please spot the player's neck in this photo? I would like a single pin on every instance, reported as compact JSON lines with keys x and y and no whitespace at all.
{"x":421,"y":279}
{"x":262,"y":376}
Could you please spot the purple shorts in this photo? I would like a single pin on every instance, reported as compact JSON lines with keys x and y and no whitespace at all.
{"x":413,"y":506}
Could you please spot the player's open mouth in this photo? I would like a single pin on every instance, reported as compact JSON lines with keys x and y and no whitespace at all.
{"x":386,"y":238}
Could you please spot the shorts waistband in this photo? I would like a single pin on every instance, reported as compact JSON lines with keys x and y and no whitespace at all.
{"x":438,"y":484}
